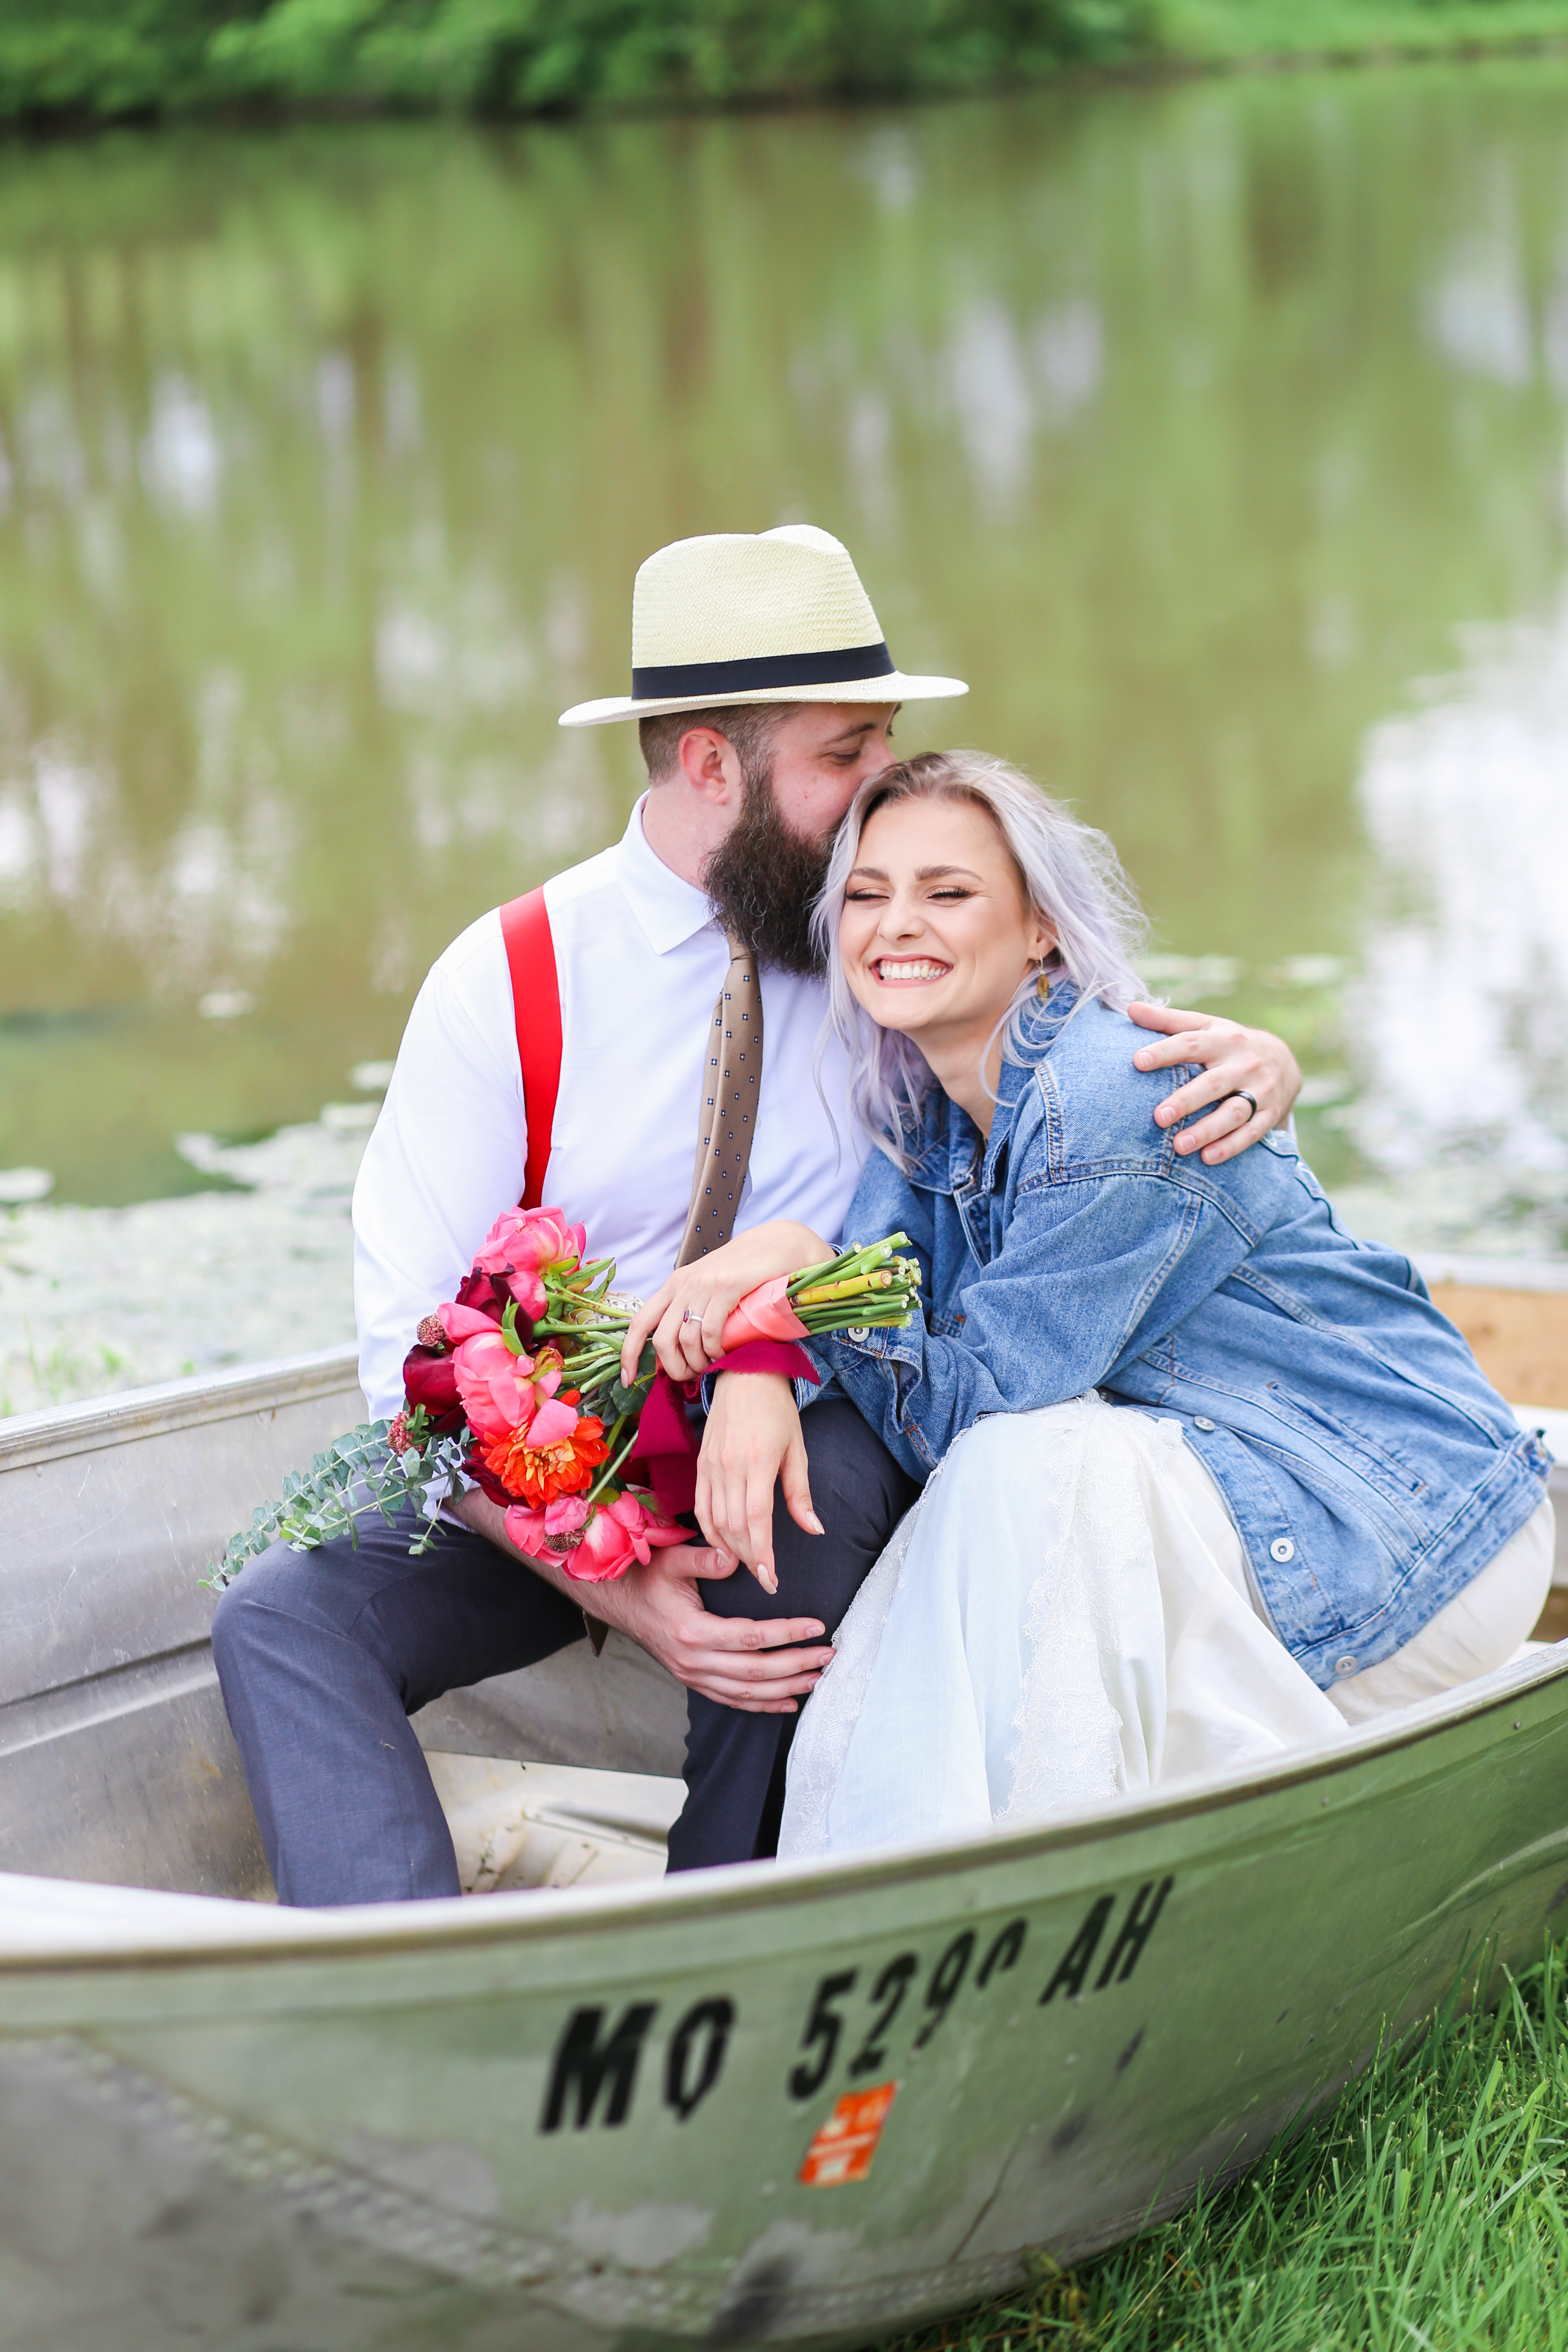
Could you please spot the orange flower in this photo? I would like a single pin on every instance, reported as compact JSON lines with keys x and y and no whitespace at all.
{"x":574,"y":1446}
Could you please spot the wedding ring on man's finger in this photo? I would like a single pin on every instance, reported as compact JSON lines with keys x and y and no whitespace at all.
{"x":1240,"y":1094}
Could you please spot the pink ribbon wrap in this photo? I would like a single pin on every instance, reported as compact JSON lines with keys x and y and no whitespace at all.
{"x":764,"y":1313}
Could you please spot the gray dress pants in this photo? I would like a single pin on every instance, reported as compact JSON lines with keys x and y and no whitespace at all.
{"x":323,"y":1655}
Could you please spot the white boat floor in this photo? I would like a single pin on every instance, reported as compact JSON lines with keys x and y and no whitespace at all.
{"x":521,"y":1826}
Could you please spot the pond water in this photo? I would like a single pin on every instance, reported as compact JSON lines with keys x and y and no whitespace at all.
{"x":1217,"y":434}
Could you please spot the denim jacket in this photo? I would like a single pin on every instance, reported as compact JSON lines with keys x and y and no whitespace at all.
{"x":1369,"y":1468}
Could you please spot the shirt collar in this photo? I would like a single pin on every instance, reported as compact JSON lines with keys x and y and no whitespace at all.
{"x":669,"y":910}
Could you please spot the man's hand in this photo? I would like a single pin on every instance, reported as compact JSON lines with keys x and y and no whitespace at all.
{"x":1234,"y":1061}
{"x":685,"y":1316}
{"x":752,"y":1441}
{"x":740,"y":1661}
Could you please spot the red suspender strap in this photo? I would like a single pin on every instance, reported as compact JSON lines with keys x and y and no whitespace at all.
{"x":536,"y":1009}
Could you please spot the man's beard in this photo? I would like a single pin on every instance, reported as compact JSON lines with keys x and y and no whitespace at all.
{"x":764,"y":880}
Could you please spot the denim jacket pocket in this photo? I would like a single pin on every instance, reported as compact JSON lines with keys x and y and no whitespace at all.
{"x":1361,"y":1452}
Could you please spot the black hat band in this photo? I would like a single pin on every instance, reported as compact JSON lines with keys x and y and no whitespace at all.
{"x":763,"y":674}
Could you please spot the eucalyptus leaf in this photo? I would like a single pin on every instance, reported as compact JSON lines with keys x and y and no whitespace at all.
{"x":358,"y":1473}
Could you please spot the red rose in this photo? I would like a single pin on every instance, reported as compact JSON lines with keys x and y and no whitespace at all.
{"x":477,"y":1290}
{"x":431,"y":1381}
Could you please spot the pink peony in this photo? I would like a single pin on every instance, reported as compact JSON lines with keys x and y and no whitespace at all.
{"x":462,"y":1323}
{"x":496,"y":1388}
{"x":522,"y":1245}
{"x":553,"y":1424}
{"x":618,"y":1533}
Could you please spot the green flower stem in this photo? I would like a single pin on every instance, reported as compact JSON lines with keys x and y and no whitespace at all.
{"x":607,"y":1474}
{"x":846,"y":1265}
{"x":866,"y":1320}
{"x":810,"y":1274}
{"x":576,"y":1327}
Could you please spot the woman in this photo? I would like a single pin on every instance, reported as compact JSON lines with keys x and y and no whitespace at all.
{"x":1215,"y":1477}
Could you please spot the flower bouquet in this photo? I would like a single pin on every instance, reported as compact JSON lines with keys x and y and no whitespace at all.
{"x":515,"y":1385}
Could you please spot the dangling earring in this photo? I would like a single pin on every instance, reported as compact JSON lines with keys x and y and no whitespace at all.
{"x":1042,"y":985}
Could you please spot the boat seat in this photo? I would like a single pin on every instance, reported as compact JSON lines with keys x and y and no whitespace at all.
{"x":519,"y":1825}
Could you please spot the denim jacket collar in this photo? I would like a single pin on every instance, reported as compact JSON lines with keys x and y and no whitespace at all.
{"x":950,"y":1156}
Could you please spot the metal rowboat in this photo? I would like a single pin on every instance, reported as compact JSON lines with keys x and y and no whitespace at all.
{"x":595,"y":2109}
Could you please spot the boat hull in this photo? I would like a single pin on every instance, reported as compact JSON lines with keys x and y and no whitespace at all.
{"x":795,"y":2104}
{"x":583,"y":2119}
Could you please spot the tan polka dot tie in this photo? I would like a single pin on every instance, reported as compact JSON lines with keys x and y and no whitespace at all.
{"x":732,"y":1083}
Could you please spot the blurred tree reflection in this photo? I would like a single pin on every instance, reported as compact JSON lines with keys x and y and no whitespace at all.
{"x":1186,"y":425}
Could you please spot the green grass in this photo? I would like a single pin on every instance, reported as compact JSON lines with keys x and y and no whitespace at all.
{"x":1427,"y":2212}
{"x":90,"y":60}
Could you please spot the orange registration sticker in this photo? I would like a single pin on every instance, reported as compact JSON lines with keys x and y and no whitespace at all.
{"x":845,"y":2145}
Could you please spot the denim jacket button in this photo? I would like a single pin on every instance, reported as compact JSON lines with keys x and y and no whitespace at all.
{"x":1344,"y":1666}
{"x":859,"y":1333}
{"x":1282,"y":1548}
{"x":1201,"y":1421}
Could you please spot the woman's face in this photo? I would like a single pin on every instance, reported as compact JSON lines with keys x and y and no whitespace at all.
{"x":936,"y":934}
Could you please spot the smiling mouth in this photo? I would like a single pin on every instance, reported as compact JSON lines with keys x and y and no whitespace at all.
{"x":891,"y":970}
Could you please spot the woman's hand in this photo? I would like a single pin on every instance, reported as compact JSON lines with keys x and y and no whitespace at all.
{"x":687,"y":1314}
{"x":1235,"y":1061}
{"x":753,"y":1441}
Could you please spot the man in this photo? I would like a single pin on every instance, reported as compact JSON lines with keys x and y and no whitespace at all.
{"x":765,"y":695}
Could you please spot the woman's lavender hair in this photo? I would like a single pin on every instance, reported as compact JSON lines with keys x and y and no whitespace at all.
{"x":1072,"y":876}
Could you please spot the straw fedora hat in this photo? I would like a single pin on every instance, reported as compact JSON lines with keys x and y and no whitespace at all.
{"x":765,"y":616}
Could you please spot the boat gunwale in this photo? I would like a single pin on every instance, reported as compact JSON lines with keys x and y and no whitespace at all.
{"x":56,"y":1431}
{"x":1458,"y":1270}
{"x":541,"y":1916}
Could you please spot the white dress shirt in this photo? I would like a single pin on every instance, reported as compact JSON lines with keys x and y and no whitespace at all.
{"x":640,"y":961}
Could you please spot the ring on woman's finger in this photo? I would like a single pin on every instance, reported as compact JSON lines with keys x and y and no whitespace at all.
{"x":689,"y":1317}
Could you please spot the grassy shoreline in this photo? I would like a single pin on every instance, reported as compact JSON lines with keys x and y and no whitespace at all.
{"x":95,"y":62}
{"x":1425,"y":2207}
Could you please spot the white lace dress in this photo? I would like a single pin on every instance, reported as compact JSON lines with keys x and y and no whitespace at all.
{"x":1064,"y":1618}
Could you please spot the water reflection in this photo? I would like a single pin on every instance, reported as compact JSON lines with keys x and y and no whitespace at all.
{"x":1460,"y":1018}
{"x":1192,"y":426}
